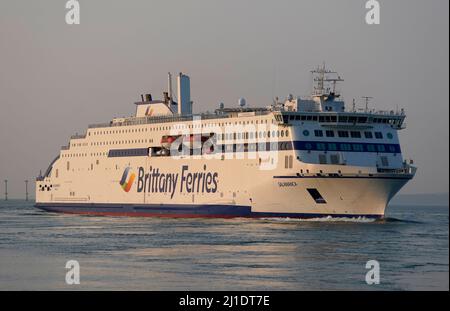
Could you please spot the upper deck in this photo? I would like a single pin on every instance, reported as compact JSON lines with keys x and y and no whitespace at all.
{"x":324,"y":106}
{"x":395,"y":119}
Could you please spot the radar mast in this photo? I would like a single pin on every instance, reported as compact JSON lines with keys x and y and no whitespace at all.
{"x":324,"y":83}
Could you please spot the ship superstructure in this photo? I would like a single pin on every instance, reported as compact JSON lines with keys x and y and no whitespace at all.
{"x":303,"y":157}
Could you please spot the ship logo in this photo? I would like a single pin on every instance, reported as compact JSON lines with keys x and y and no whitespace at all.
{"x":126,"y":185}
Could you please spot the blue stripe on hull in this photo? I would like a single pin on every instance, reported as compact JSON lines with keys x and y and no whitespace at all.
{"x":179,"y":210}
{"x":156,"y":209}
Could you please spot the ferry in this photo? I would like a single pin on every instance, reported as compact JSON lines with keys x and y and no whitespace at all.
{"x":302,"y":157}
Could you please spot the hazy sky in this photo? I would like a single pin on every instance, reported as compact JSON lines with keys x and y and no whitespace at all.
{"x":55,"y":78}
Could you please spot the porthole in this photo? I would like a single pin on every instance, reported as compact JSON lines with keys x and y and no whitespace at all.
{"x":306,"y":133}
{"x":389,"y":135}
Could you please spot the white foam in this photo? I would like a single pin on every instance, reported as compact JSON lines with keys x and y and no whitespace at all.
{"x":360,"y":219}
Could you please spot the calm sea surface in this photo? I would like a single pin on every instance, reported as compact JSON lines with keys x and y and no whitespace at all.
{"x":119,"y":253}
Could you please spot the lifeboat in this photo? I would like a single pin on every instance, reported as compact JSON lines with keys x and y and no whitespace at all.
{"x":167,"y":140}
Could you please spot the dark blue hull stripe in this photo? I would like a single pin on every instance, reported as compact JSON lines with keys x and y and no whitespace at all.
{"x":178,"y":210}
{"x":281,"y":145}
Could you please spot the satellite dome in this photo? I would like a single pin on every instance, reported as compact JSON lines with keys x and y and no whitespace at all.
{"x":241,"y":102}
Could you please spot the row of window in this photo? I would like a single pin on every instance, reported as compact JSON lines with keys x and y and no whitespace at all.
{"x":252,"y":135}
{"x":224,"y":136}
{"x":129,"y":152}
{"x":342,"y":119}
{"x":335,"y":159}
{"x":81,"y":155}
{"x":255,"y":147}
{"x":121,"y":142}
{"x":176,"y":126}
{"x":346,"y":134}
{"x":321,"y":146}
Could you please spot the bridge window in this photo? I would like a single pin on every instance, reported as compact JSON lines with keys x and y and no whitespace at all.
{"x":330,"y":133}
{"x":342,"y":133}
{"x":362,"y":119}
{"x":381,"y":148}
{"x":343,"y":119}
{"x":321,"y":146}
{"x":318,"y":133}
{"x":355,"y":134}
{"x":378,"y":135}
{"x":358,"y":147}
{"x":332,"y":146}
{"x":346,"y":147}
{"x":368,"y":135}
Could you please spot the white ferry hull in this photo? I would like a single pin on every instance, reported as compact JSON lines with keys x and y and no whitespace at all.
{"x":243,"y":190}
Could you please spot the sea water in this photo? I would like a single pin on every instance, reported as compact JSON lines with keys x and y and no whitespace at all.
{"x":127,"y":253}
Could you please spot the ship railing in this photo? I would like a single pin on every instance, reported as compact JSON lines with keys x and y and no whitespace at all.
{"x":363,"y":112}
{"x":406,"y":169}
{"x":78,"y":136}
{"x":392,"y":170}
{"x":167,"y":119}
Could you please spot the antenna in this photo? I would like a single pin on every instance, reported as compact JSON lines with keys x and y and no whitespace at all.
{"x":6,"y":190}
{"x":169,"y":88}
{"x":26,"y":190}
{"x":367,"y":98}
{"x":320,"y":76}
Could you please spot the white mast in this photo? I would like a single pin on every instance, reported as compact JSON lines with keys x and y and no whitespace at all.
{"x":169,"y":88}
